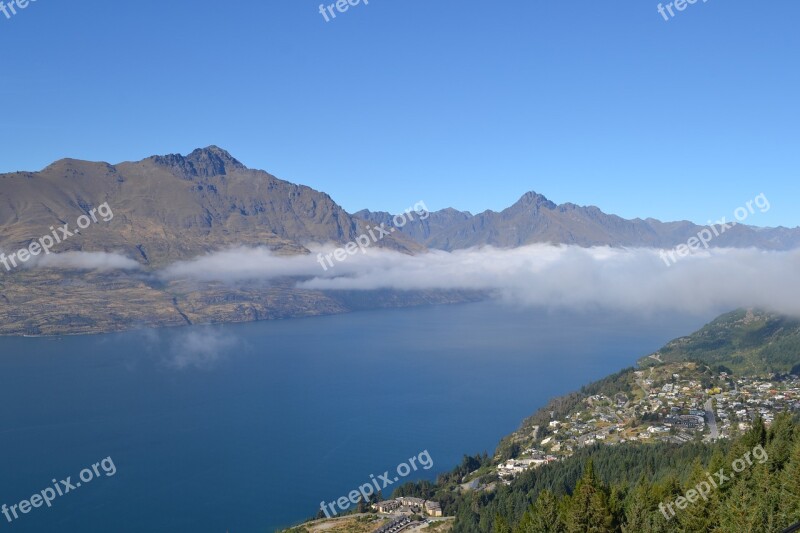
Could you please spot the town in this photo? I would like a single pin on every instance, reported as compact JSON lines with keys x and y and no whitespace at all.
{"x":674,"y":402}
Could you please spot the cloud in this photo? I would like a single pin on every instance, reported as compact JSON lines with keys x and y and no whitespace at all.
{"x":102,"y":261}
{"x":538,"y":275}
{"x":199,"y":348}
{"x":242,"y":263}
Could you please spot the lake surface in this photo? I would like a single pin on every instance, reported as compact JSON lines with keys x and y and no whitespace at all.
{"x":246,"y":428}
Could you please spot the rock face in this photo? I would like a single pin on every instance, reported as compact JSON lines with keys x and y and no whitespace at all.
{"x":173,"y":207}
{"x":535,"y":219}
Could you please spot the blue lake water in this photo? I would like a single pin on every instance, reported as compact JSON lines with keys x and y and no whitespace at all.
{"x":246,"y":428}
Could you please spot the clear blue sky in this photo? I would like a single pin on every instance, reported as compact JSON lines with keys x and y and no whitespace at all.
{"x":458,"y":103}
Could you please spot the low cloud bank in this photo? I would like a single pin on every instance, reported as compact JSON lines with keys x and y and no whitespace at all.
{"x":540,"y":275}
{"x":102,"y":261}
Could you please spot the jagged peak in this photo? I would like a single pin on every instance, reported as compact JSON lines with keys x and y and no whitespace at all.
{"x":214,"y":153}
{"x":203,"y":162}
{"x":533,"y":198}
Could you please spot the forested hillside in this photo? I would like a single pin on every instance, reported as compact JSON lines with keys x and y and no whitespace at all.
{"x":629,"y":489}
{"x":749,"y":483}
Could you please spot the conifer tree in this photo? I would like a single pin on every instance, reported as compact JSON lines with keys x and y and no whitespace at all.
{"x":588,"y":510}
{"x":789,"y":482}
{"x":700,"y":515}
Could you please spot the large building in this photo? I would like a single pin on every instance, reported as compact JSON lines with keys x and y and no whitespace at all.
{"x":410,"y":505}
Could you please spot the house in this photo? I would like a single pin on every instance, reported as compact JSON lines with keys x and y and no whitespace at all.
{"x":387,"y":506}
{"x":433,"y":508}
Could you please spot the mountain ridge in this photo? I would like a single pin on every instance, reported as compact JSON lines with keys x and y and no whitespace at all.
{"x":175,"y":207}
{"x":534,"y":219}
{"x":172,"y":208}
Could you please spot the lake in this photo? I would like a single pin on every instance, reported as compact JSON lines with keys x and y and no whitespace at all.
{"x":248,"y":427}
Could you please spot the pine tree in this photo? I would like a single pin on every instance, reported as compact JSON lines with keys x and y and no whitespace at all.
{"x":638,"y":509}
{"x":526,"y":524}
{"x":588,"y":509}
{"x":501,"y":525}
{"x":739,"y":511}
{"x":756,"y":435}
{"x":789,"y":481}
{"x":544,"y":516}
{"x":700,"y":515}
{"x":779,"y":446}
{"x":616,"y":505}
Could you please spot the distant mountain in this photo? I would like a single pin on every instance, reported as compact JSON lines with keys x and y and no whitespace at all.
{"x":749,"y":341}
{"x":535,"y":219}
{"x":174,"y":207}
{"x":436,"y":223}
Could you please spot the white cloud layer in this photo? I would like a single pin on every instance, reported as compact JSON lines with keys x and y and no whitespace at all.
{"x":541,"y":275}
{"x":84,"y":261}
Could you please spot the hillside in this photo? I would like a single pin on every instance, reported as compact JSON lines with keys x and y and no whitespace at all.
{"x":745,"y":341}
{"x":603,"y":458}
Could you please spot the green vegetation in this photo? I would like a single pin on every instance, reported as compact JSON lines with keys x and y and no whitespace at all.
{"x":601,"y":488}
{"x":618,"y":489}
{"x":744,"y":341}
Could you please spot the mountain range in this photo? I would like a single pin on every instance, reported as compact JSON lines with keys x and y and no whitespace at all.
{"x":171,"y":208}
{"x":535,"y":219}
{"x":175,"y":207}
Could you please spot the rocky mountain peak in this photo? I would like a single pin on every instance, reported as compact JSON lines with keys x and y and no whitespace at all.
{"x":533,"y":199}
{"x":202,"y":162}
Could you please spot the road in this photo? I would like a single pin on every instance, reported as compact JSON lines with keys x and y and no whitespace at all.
{"x":712,"y":419}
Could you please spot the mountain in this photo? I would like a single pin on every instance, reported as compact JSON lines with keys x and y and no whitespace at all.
{"x":169,"y":208}
{"x":165,"y":209}
{"x":535,"y":219}
{"x":174,"y":207}
{"x":436,"y":223}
